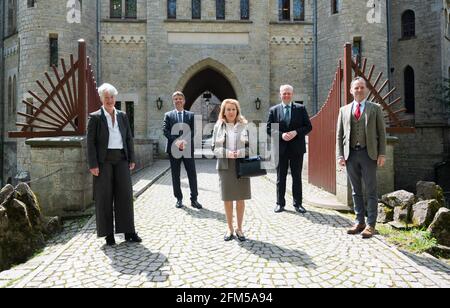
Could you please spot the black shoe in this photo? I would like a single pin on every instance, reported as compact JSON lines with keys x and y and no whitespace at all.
{"x":196,"y":205}
{"x":179,"y":204}
{"x":110,"y":241}
{"x":132,"y":238}
{"x":279,"y":208}
{"x":240,"y":236}
{"x":228,"y":237}
{"x":299,"y":208}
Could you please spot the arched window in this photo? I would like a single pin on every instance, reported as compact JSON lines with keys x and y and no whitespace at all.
{"x":408,"y":24}
{"x":9,"y":95}
{"x":14,"y":95}
{"x":409,"y":85}
{"x":171,"y":9}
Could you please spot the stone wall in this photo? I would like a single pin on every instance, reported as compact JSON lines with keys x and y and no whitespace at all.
{"x":60,"y":175}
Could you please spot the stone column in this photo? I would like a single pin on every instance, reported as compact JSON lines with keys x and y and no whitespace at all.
{"x":60,"y":175}
{"x":385,"y":176}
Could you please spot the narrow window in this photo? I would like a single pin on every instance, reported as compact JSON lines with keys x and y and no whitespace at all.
{"x":129,"y":109}
{"x":408,"y":24}
{"x":53,"y":40}
{"x":171,"y":9}
{"x":116,"y":9}
{"x":130,"y":9}
{"x":409,"y":89}
{"x":299,"y":10}
{"x":284,"y":10}
{"x":245,"y":9}
{"x":196,"y":9}
{"x":220,"y":9}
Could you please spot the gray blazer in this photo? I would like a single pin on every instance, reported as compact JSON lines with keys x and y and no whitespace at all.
{"x":219,"y":144}
{"x":375,"y":131}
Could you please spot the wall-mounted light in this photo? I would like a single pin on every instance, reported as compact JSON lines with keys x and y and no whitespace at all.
{"x":258,"y":103}
{"x":159,"y":103}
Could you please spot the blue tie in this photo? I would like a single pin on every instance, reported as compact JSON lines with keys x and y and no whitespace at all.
{"x":180,"y":118}
{"x":287,"y":115}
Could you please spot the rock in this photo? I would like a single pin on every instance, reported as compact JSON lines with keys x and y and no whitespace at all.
{"x":402,"y":214}
{"x":3,"y":220}
{"x":385,"y":213}
{"x":400,"y":198}
{"x":26,"y":195}
{"x":6,"y":193}
{"x":429,"y":190}
{"x":440,"y":227}
{"x":423,"y":212}
{"x":52,"y":225}
{"x":18,"y":216}
{"x":399,"y":225}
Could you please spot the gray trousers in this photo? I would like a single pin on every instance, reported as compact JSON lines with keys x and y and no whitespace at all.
{"x":113,"y":194}
{"x":361,"y":167}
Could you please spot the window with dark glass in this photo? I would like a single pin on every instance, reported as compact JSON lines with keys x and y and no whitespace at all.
{"x":130,"y":9}
{"x":116,"y":9}
{"x":245,"y":9}
{"x":14,"y":94}
{"x":171,"y":9}
{"x":408,"y":24}
{"x":335,"y":6}
{"x":12,"y":16}
{"x":129,"y":109}
{"x":53,"y":49}
{"x":118,"y":105}
{"x":284,"y":10}
{"x":220,"y":9}
{"x":9,"y":95}
{"x":409,"y":89}
{"x":30,"y":3}
{"x":196,"y":9}
{"x":299,"y":10}
{"x":356,"y":50}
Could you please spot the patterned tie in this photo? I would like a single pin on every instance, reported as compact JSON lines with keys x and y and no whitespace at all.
{"x":287,"y":115}
{"x":358,"y":111}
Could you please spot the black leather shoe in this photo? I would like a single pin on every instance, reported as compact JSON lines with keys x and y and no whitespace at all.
{"x":132,"y":238}
{"x":196,"y":205}
{"x":110,"y":241}
{"x":299,"y":208}
{"x":240,"y":236}
{"x":228,"y":237}
{"x":179,"y":204}
{"x":279,"y":208}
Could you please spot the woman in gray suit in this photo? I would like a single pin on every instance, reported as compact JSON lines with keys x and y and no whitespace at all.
{"x":230,"y":140}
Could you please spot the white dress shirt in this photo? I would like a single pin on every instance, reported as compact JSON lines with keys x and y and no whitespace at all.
{"x":115,"y":137}
{"x":232,"y":135}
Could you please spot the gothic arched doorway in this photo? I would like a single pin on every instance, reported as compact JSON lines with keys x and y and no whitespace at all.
{"x":205,"y":91}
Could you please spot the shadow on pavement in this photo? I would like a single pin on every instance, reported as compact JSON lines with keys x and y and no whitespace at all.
{"x":136,"y":259}
{"x":272,"y":252}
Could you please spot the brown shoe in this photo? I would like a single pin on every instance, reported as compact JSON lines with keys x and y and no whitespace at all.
{"x":356,"y":229}
{"x":368,"y":232}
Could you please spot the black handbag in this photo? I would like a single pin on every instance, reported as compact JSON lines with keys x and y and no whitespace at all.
{"x":249,"y":167}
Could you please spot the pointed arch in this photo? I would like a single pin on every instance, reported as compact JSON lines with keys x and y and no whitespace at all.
{"x":214,"y":67}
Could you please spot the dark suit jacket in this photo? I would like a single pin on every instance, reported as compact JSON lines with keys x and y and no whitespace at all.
{"x":98,"y":137}
{"x":170,"y":119}
{"x":299,"y":122}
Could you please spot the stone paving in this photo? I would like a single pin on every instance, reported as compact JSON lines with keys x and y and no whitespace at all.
{"x":185,"y":248}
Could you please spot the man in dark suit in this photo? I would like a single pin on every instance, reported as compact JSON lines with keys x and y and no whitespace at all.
{"x":294,"y":125}
{"x":110,"y":152}
{"x":178,"y":128}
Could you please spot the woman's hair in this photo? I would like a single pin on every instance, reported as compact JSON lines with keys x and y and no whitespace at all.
{"x":107,"y":88}
{"x":239,"y":117}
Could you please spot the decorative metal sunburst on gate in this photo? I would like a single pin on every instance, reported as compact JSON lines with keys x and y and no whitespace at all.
{"x":61,"y":110}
